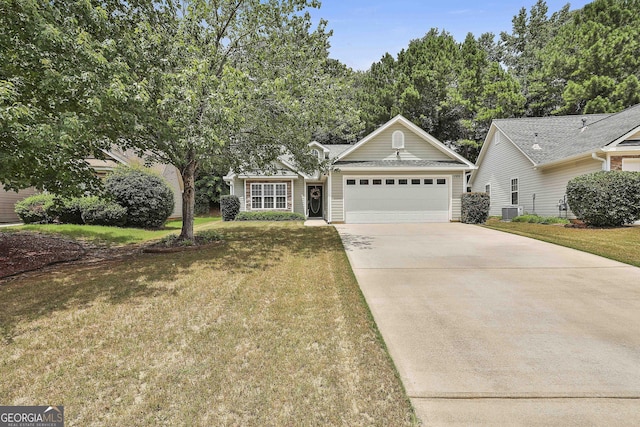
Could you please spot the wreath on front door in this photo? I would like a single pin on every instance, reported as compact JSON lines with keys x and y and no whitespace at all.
{"x":315,"y":193}
{"x":314,"y":202}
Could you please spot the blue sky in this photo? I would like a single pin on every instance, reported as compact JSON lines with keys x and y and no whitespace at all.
{"x":363,"y":30}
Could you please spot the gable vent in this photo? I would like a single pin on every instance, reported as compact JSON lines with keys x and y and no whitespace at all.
{"x":397,"y":140}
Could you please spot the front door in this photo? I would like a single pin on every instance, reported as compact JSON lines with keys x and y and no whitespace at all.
{"x":314,"y":201}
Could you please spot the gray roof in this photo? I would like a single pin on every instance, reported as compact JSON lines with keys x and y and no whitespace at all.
{"x":549,"y":139}
{"x":336,"y":149}
{"x":401,"y":164}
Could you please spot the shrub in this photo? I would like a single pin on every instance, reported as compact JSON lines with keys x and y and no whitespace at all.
{"x":96,"y":211}
{"x":40,"y":208}
{"x":148,"y":199}
{"x":270,"y":216}
{"x":535,"y":219}
{"x":229,"y":207}
{"x":72,"y":209}
{"x":475,"y":208}
{"x":605,"y":198}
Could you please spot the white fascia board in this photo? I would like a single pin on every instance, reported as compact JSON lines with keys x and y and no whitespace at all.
{"x":614,"y":144}
{"x":115,"y":157}
{"x":573,"y":158}
{"x":317,"y":144}
{"x":268,"y":177}
{"x":407,"y":169}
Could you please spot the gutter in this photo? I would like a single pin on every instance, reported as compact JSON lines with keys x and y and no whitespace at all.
{"x":594,"y":156}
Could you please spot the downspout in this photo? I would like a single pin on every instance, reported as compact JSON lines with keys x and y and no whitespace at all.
{"x":594,"y":156}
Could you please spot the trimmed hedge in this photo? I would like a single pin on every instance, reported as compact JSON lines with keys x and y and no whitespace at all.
{"x":229,"y":207}
{"x":270,"y":216}
{"x":475,"y":208}
{"x":148,"y":199}
{"x":605,"y":199}
{"x":39,"y":208}
{"x":96,"y":211}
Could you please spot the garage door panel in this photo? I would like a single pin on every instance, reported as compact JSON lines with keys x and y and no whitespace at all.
{"x":397,"y":203}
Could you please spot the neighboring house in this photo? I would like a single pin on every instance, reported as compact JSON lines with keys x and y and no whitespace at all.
{"x":113,"y":158}
{"x":526,"y":163}
{"x":398,"y":173}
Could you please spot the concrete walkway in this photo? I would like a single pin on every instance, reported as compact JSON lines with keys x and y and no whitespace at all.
{"x":489,"y":328}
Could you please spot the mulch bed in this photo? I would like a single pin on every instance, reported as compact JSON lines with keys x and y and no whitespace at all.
{"x":21,"y":252}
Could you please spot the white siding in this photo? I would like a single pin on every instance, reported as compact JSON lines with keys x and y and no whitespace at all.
{"x":379,"y":148}
{"x":504,"y":161}
{"x":337,"y":197}
{"x":173,"y":178}
{"x":456,"y":194}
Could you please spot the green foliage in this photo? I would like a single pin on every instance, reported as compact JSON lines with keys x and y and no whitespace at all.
{"x":475,"y":208}
{"x":535,"y":219}
{"x":97,"y":211}
{"x":209,"y":188}
{"x":66,"y":90}
{"x":148,"y":199}
{"x":229,"y":207}
{"x":605,"y":198}
{"x":72,"y":209}
{"x":39,"y":208}
{"x":452,"y":90}
{"x":269,"y":216}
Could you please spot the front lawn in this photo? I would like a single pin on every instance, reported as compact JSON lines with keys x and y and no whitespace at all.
{"x":269,"y":328}
{"x":116,"y":235}
{"x":621,"y":244}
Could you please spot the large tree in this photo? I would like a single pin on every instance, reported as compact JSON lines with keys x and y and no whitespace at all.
{"x":246,"y":80}
{"x":60,"y":81}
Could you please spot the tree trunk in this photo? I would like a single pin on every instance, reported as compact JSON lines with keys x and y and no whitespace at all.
{"x":188,"y":200}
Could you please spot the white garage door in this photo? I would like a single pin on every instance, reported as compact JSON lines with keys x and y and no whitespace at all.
{"x":392,"y":199}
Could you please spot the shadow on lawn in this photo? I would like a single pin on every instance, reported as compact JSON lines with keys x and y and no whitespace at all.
{"x":76,"y":285}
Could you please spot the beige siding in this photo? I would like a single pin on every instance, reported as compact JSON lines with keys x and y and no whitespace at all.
{"x":456,"y":194}
{"x":8,"y":199}
{"x":337,"y":197}
{"x":299,"y":196}
{"x":238,"y":190}
{"x":379,"y":148}
{"x":172,"y":176}
{"x":504,"y":161}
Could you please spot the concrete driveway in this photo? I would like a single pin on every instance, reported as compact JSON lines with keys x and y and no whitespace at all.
{"x":489,"y":328}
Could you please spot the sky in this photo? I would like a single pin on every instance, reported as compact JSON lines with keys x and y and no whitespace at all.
{"x":364,"y":30}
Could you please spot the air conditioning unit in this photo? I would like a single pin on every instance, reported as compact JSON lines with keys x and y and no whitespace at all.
{"x":511,"y":212}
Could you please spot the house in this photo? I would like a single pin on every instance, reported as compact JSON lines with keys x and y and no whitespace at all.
{"x":398,"y":173}
{"x":526,"y":163}
{"x":111,"y":160}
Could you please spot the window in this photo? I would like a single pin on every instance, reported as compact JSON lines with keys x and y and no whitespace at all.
{"x":364,"y":182}
{"x":351,"y":182}
{"x":269,"y":196}
{"x":487,"y":189}
{"x":377,"y":182}
{"x":441,"y":181}
{"x":514,"y":191}
{"x":316,"y":153}
{"x":402,"y":181}
{"x":415,"y":182}
{"x":390,"y":181}
{"x":428,"y":181}
{"x":397,"y":139}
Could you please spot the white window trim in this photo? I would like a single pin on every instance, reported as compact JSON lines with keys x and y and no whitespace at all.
{"x":488,"y":184}
{"x":263,"y":196}
{"x":517,"y":191}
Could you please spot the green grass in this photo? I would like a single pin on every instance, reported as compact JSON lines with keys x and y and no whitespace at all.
{"x":112,"y":235}
{"x":267,"y":329}
{"x":620,"y":244}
